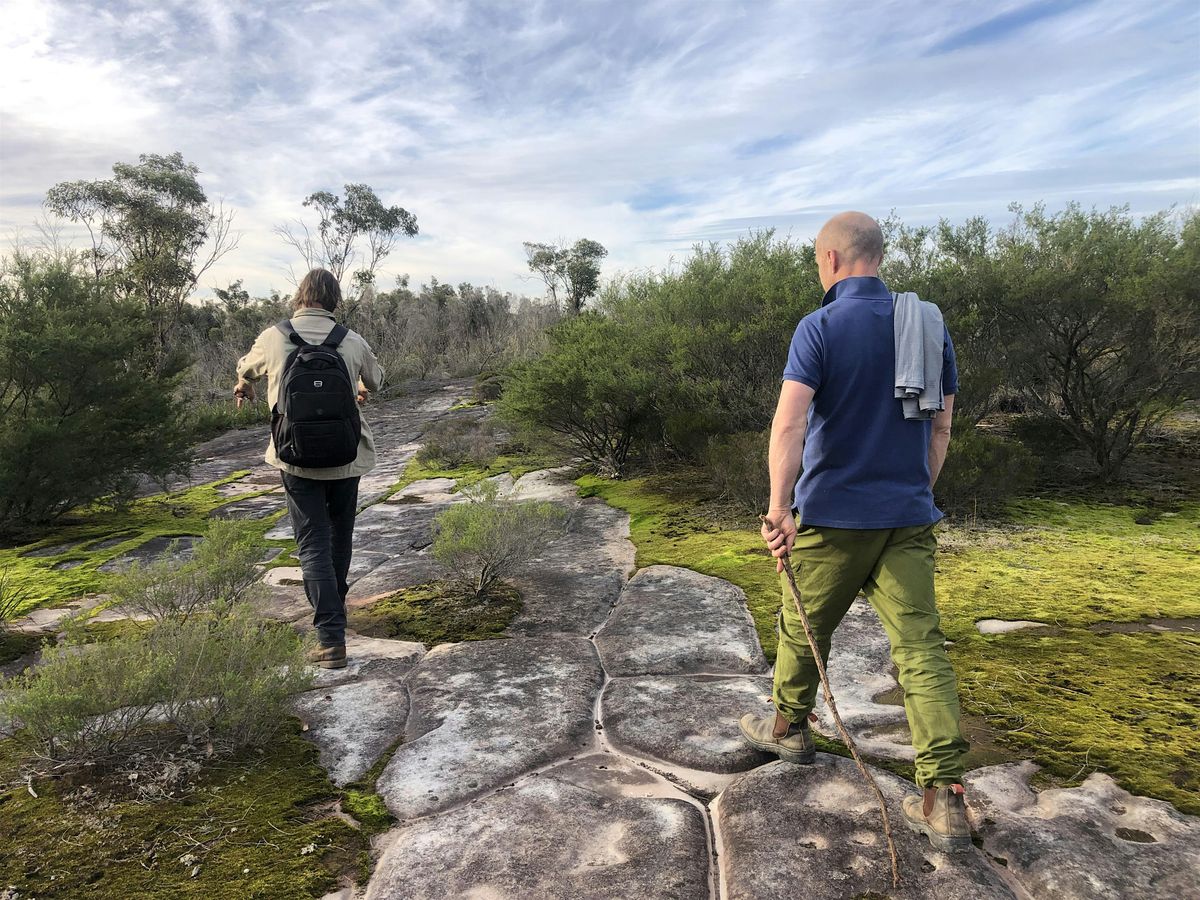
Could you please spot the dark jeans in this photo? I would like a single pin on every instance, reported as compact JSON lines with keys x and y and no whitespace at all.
{"x":323,"y":520}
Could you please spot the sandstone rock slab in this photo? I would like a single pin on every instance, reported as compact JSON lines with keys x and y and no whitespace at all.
{"x":571,"y":585}
{"x":368,"y":657}
{"x":860,"y":669}
{"x":814,"y":831}
{"x":687,"y":721}
{"x":396,"y":527}
{"x":1095,"y":841}
{"x":673,"y":621}
{"x":354,"y":724}
{"x":483,"y":713}
{"x":428,"y":490}
{"x":547,"y":839}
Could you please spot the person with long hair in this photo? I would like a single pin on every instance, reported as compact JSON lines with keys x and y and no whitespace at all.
{"x":322,"y":499}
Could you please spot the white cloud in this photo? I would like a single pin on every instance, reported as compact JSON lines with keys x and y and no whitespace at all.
{"x":643,"y":125}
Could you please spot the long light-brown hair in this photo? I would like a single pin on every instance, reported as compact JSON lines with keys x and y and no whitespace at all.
{"x":318,"y":288}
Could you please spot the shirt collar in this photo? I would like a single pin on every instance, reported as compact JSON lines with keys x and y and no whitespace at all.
{"x":863,"y":287}
{"x":312,"y":311}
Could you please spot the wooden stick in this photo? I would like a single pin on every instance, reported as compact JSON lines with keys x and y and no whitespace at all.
{"x":837,"y":719}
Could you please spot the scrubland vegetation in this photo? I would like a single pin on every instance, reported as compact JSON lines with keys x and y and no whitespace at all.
{"x":1070,"y":483}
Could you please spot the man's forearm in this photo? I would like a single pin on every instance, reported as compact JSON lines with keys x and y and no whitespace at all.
{"x":938,"y":445}
{"x":784,"y":458}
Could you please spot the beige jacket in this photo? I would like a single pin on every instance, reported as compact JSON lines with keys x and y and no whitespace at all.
{"x":268,"y":356}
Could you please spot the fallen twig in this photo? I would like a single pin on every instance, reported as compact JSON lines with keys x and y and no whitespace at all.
{"x":837,"y":719}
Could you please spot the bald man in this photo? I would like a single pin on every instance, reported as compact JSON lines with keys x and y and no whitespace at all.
{"x":861,"y":519}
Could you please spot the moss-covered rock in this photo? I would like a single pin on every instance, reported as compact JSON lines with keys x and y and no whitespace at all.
{"x":438,"y":613}
{"x":66,"y":563}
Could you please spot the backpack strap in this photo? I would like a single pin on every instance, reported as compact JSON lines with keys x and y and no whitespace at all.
{"x":336,"y":335}
{"x":290,"y":332}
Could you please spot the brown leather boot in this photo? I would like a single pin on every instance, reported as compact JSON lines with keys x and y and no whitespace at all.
{"x":774,"y":734}
{"x":328,"y":657}
{"x":941,"y":815}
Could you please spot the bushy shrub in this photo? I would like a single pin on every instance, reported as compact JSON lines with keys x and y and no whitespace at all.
{"x":223,"y":568}
{"x":221,"y":678}
{"x":87,"y":408}
{"x":452,"y":443}
{"x":230,"y":676}
{"x":737,"y":466}
{"x":981,"y":472}
{"x":1043,"y":435}
{"x":490,"y":537}
{"x":596,"y":389}
{"x":675,"y":358}
{"x":85,"y":702}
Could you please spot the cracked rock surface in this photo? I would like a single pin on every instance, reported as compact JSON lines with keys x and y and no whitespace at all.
{"x":482,"y":713}
{"x":687,"y":720}
{"x":550,"y":837}
{"x":813,"y":831}
{"x":673,"y":621}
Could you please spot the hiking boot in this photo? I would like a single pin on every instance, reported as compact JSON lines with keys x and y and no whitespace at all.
{"x":774,"y":734}
{"x":940,"y":815}
{"x":328,"y":657}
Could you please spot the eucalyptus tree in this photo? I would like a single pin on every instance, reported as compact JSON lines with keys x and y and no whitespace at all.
{"x":356,"y":228}
{"x":574,"y":271}
{"x":153,"y":235}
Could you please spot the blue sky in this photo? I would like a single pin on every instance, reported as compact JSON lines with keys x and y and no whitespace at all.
{"x":645,"y":125}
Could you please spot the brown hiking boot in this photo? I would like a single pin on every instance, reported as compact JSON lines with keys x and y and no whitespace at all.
{"x":941,"y":815}
{"x":328,"y":657}
{"x":774,"y":734}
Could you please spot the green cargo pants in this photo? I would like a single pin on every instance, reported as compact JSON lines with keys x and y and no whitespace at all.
{"x":894,"y":569}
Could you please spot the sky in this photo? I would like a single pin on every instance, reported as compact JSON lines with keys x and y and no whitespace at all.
{"x":648,"y":126}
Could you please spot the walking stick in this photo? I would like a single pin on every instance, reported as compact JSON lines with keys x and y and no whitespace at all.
{"x":837,"y":719}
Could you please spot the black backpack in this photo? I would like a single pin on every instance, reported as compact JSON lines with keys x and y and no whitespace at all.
{"x":316,"y":423}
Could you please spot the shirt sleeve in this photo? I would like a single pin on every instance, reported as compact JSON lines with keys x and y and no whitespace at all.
{"x":371,"y":373}
{"x":806,"y":355}
{"x":253,"y":365}
{"x":949,"y":367}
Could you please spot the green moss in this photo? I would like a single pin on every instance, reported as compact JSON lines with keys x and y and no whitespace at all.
{"x":368,"y":808}
{"x":248,"y":822}
{"x":1077,"y":703}
{"x":162,"y":515}
{"x":438,"y":613}
{"x":1072,"y":564}
{"x":1073,"y":701}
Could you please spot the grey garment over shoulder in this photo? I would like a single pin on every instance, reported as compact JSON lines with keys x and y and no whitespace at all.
{"x":919,"y":335}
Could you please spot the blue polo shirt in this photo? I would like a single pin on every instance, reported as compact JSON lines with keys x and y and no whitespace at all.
{"x":865,"y":465}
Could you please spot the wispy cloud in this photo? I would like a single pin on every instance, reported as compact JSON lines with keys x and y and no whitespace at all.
{"x":645,"y":125}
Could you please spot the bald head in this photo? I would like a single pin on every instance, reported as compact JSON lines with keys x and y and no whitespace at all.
{"x":851,"y":243}
{"x":854,"y":235}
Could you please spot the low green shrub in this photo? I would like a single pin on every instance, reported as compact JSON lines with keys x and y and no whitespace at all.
{"x":737,"y":467}
{"x":982,"y":472}
{"x":452,"y":443}
{"x":219,"y":679}
{"x":488,"y":387}
{"x":596,"y":390}
{"x":490,"y":537}
{"x":223,"y":568}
